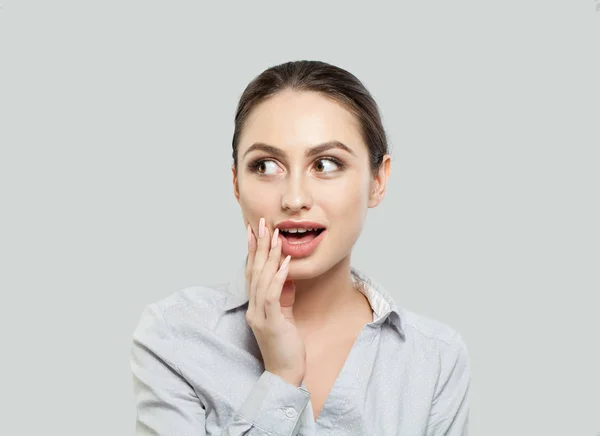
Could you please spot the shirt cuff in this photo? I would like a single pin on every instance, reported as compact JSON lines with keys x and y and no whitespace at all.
{"x":275,"y":405}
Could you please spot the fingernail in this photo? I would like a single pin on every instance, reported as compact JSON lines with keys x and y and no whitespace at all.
{"x":285,"y":263}
{"x":275,"y":238}
{"x":261,"y":227}
{"x":249,"y":234}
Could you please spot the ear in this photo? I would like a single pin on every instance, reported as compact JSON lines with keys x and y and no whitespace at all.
{"x":379,"y":182}
{"x":236,"y":190}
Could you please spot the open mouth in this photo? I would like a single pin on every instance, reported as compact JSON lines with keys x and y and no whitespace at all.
{"x":300,"y":236}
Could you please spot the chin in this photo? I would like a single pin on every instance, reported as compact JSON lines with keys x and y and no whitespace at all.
{"x":309,"y":267}
{"x":304,"y":268}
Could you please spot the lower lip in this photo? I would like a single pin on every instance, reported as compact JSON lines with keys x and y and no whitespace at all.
{"x":302,"y":249}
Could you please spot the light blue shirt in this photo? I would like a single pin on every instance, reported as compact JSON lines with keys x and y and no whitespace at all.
{"x":197,"y":371}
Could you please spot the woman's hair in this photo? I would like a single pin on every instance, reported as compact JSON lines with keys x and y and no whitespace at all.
{"x":327,"y":79}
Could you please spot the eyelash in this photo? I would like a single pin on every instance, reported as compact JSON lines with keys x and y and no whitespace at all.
{"x":253,"y":166}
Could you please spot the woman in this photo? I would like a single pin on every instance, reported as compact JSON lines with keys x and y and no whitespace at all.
{"x":300,"y":342}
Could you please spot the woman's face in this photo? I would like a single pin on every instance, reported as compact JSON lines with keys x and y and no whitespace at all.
{"x":283,"y":175}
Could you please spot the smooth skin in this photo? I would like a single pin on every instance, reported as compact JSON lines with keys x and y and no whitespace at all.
{"x":304,"y":309}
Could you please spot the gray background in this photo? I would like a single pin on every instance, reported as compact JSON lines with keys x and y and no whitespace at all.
{"x":116,"y":123}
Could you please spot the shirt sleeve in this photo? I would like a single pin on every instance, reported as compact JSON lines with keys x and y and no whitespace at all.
{"x":167,"y":405}
{"x":449,"y":414}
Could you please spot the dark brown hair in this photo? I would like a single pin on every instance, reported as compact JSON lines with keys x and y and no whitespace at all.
{"x":317,"y":76}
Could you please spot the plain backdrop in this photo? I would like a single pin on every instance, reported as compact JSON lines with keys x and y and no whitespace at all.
{"x":116,"y":119}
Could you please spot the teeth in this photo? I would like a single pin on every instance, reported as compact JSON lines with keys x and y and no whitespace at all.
{"x":297,"y":230}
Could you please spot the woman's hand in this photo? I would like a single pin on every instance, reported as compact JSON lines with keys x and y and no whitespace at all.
{"x":280,"y":343}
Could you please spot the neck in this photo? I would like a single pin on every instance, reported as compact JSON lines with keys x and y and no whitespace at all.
{"x":319,"y":299}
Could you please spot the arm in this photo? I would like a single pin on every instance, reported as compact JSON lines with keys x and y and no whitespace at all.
{"x":449,"y":414}
{"x":167,"y":405}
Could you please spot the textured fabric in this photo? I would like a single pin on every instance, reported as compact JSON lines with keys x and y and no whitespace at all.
{"x":197,"y":370}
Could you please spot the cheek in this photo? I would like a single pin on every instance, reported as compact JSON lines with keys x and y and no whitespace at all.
{"x":255,"y":206}
{"x":346,"y":205}
{"x":347,"y":195}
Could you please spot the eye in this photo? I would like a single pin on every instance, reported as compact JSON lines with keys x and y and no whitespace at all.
{"x":327,"y":165}
{"x":263,"y":167}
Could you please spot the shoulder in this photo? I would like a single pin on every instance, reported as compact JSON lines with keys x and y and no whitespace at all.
{"x":433,"y":334}
{"x":426,"y":327}
{"x":185,"y":311}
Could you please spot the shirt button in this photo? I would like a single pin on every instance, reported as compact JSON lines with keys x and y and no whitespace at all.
{"x":290,"y":413}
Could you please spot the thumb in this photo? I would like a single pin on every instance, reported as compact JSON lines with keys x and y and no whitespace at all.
{"x":286,"y":300}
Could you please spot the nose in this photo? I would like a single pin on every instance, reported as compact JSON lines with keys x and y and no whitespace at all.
{"x":296,"y":195}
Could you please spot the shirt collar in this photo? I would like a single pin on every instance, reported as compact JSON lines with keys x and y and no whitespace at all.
{"x":381,"y":301}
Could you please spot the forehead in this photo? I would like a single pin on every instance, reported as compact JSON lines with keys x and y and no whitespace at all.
{"x":300,"y":119}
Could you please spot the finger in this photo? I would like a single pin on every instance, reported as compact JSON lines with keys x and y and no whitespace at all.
{"x":272,"y":263}
{"x":258,"y":288}
{"x":268,"y":272}
{"x":249,"y":265}
{"x":262,"y":252}
{"x":272,"y":304}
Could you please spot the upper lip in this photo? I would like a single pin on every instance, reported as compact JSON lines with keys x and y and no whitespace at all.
{"x":299,"y":225}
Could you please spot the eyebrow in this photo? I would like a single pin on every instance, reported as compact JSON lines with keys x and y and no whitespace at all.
{"x":313,"y":151}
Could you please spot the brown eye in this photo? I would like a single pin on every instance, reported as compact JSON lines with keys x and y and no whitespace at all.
{"x":326,"y":165}
{"x":262,"y":167}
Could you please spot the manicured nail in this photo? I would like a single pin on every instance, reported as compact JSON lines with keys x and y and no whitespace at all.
{"x":249,"y":235}
{"x":285,"y":263}
{"x":275,"y":238}
{"x":261,"y":227}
